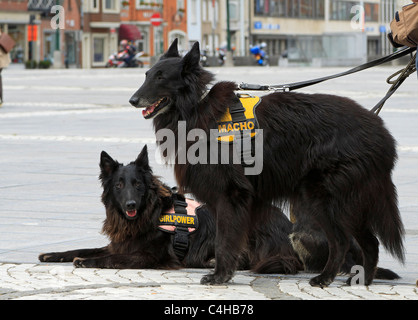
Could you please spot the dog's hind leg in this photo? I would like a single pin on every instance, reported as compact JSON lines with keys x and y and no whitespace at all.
{"x":370,"y":246}
{"x":317,"y":203}
{"x":338,"y":245}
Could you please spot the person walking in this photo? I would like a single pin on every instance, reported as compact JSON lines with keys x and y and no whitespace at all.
{"x":4,"y":62}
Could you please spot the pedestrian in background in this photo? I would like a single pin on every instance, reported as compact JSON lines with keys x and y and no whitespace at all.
{"x":4,"y":62}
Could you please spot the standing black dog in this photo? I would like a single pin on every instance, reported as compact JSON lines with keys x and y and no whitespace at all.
{"x":326,"y":155}
{"x":135,"y":200}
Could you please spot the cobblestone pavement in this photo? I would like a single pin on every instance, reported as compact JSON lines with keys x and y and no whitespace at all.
{"x":53,"y":126}
{"x":50,"y":282}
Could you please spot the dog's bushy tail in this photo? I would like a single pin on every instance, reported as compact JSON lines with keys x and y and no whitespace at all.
{"x":386,"y":274}
{"x":387,"y":222}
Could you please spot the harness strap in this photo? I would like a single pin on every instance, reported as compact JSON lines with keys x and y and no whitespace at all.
{"x":237,"y":112}
{"x":180,"y":221}
{"x":181,"y":236}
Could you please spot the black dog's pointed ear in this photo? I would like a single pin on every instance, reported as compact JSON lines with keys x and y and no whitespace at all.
{"x":172,"y":52}
{"x":192,"y":59}
{"x":142,"y":161}
{"x":107,"y":164}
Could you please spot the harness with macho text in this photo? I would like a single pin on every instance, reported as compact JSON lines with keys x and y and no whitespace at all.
{"x":239,"y":117}
{"x":238,"y":126}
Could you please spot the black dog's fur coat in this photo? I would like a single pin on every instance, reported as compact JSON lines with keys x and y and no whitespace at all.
{"x":328,"y":157}
{"x":134,"y":200}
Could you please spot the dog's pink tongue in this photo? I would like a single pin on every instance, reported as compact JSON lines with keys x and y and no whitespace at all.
{"x":148,"y":110}
{"x":131,"y":213}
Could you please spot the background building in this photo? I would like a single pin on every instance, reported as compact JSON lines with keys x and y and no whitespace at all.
{"x":159,"y":22}
{"x":62,"y":45}
{"x":14,"y":20}
{"x":207,"y":23}
{"x":320,"y":32}
{"x":100,"y":23}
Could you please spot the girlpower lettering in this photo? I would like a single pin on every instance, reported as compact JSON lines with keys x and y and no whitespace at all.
{"x":172,"y":218}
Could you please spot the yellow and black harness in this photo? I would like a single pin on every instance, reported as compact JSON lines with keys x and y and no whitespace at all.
{"x":181,"y":221}
{"x":239,"y":120}
{"x":239,"y":117}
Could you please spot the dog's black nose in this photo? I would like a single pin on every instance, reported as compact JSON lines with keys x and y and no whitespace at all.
{"x":134,"y":101}
{"x":130,"y":205}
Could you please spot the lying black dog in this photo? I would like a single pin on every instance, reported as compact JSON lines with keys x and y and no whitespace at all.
{"x":138,"y":225}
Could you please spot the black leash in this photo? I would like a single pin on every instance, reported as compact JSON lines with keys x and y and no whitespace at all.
{"x":403,"y":74}
{"x":298,"y":85}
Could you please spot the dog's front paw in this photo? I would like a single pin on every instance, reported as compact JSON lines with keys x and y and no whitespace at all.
{"x":44,"y":257}
{"x":214,"y":279}
{"x":80,"y":263}
{"x":51,"y":257}
{"x":320,"y":281}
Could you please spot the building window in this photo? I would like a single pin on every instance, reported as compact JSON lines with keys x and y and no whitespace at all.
{"x":100,"y":47}
{"x":319,"y":9}
{"x":341,"y":10}
{"x":98,"y":50}
{"x":111,"y":6}
{"x":180,"y":4}
{"x":306,"y":8}
{"x":278,"y":8}
{"x":91,"y":6}
{"x":338,"y":10}
{"x":371,"y":11}
{"x":299,"y":9}
{"x":293,"y":8}
{"x":233,"y":11}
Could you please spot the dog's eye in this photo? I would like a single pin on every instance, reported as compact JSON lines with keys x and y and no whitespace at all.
{"x":137,"y":184}
{"x":159,"y":75}
{"x":119,"y":185}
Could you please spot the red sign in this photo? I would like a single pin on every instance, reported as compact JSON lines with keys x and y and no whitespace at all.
{"x":32,"y":32}
{"x":156,"y":19}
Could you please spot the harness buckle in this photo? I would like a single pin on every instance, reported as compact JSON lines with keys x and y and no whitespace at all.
{"x":283,"y":88}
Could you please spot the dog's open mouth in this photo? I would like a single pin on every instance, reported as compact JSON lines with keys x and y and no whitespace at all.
{"x":131,"y":213}
{"x":152,"y":110}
